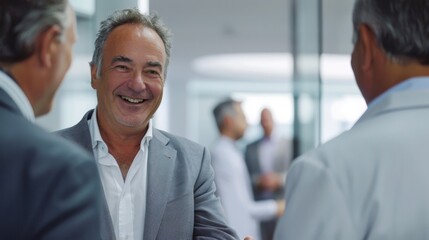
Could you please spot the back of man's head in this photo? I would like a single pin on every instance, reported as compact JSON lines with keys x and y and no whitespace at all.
{"x":21,"y":21}
{"x":400,"y":27}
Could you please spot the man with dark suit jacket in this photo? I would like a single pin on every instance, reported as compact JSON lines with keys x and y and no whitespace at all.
{"x":49,"y":187}
{"x":267,"y":160}
{"x":157,"y":185}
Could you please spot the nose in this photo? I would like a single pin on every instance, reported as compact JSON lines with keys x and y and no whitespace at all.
{"x":137,"y":83}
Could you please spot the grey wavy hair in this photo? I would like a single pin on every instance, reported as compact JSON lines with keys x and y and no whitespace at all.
{"x":129,"y":16}
{"x":21,"y":21}
{"x":223,"y":109}
{"x":400,"y":26}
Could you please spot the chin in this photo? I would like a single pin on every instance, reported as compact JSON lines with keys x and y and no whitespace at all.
{"x":40,"y":114}
{"x":43,"y":110}
{"x":132,"y":123}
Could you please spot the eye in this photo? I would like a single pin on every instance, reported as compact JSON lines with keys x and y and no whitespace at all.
{"x":122,"y":68}
{"x":152,"y":72}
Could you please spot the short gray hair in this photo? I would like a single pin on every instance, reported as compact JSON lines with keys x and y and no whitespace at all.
{"x":223,"y":109}
{"x":400,"y":26}
{"x":129,"y":16}
{"x":21,"y":21}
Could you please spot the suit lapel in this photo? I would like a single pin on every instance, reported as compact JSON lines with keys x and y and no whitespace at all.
{"x":7,"y":102}
{"x":160,"y":167}
{"x":253,"y":158}
{"x":82,"y":137}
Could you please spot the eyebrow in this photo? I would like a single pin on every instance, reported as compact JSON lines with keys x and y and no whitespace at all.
{"x":121,"y":59}
{"x":129,"y":60}
{"x":154,"y":64}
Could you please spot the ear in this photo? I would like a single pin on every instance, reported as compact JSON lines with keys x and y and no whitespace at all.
{"x":367,"y":43}
{"x":93,"y":76}
{"x":48,"y":42}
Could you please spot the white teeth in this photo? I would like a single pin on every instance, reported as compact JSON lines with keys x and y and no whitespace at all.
{"x":132,"y":100}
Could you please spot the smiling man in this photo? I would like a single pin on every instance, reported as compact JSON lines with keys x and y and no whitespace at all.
{"x":156,"y":185}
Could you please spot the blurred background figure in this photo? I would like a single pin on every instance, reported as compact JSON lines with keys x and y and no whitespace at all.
{"x":231,"y":176}
{"x":267,"y":160}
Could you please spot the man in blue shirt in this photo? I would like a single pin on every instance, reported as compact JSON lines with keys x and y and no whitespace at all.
{"x":371,"y":181}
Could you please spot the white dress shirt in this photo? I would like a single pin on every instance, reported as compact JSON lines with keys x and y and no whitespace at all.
{"x":17,"y":95}
{"x":234,"y":189}
{"x":126,"y":199}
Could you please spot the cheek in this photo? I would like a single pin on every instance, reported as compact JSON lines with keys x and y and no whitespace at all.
{"x":67,"y":57}
{"x":157,"y":90}
{"x":69,"y":60}
{"x":107,"y":85}
{"x":353,"y":60}
{"x":355,"y":65}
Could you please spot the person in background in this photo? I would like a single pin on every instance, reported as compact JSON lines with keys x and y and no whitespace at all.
{"x":50,"y":188}
{"x":156,"y":185}
{"x":267,"y":160}
{"x":371,"y":182}
{"x":231,"y":176}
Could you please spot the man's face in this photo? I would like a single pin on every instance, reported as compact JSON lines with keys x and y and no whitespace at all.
{"x":355,"y":63}
{"x":267,"y":122}
{"x":62,"y":51}
{"x":364,"y":80}
{"x":130,"y":87}
{"x":240,"y":122}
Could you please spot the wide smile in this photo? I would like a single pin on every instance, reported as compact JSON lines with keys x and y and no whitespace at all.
{"x":132,"y":100}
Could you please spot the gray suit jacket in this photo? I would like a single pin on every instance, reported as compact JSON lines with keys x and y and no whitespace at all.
{"x":181,"y":203}
{"x":370,"y":182}
{"x":49,"y":187}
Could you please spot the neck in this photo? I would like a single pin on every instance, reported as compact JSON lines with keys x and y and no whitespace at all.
{"x":122,"y":146}
{"x":229,"y":134}
{"x":119,"y":140}
{"x":31,"y":81}
{"x":392,"y":74}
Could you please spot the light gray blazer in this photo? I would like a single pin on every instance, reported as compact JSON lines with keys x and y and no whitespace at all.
{"x":371,"y":182}
{"x":181,"y":203}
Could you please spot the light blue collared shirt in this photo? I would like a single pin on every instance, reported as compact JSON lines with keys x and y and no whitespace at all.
{"x":17,"y":95}
{"x":411,"y":84}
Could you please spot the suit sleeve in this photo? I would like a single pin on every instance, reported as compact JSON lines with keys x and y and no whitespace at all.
{"x":315,"y":206}
{"x":209,"y":220}
{"x":73,"y":206}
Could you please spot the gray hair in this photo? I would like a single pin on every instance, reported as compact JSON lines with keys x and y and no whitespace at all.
{"x":223,"y":109}
{"x":400,"y":26}
{"x":21,"y":21}
{"x":129,"y":16}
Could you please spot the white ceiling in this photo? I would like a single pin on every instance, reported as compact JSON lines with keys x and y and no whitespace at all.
{"x":204,"y":27}
{"x":207,"y":27}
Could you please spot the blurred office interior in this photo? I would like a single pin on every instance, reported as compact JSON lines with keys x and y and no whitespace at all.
{"x":292,"y":56}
